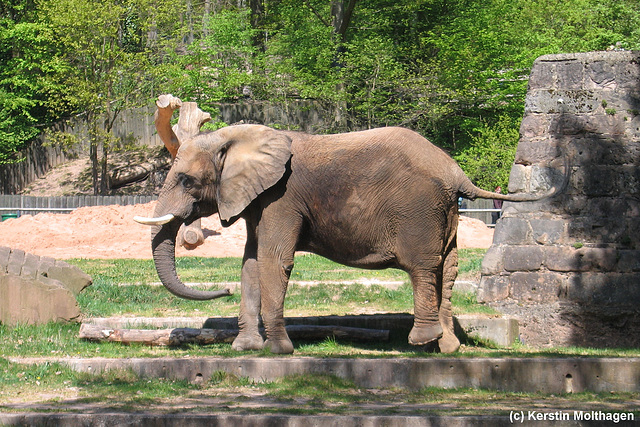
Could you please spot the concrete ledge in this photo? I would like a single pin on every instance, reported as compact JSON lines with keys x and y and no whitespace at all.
{"x":548,"y":375}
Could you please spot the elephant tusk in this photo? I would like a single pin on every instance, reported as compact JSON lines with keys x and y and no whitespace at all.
{"x":154,"y":221}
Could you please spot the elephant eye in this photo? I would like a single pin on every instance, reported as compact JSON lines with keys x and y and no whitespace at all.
{"x":187,"y":181}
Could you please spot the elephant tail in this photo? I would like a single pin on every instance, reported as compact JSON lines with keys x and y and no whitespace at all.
{"x":469,"y":191}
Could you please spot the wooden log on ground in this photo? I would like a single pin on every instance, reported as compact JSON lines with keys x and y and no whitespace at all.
{"x":181,"y":336}
{"x":158,"y":337}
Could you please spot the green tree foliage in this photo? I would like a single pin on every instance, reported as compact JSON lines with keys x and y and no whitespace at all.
{"x":105,"y":45}
{"x":487,"y":160}
{"x":28,"y":70}
{"x":454,"y":70}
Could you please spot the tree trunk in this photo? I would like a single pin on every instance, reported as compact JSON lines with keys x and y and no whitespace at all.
{"x":341,"y":13}
{"x":257,"y":23}
{"x":93,"y":153}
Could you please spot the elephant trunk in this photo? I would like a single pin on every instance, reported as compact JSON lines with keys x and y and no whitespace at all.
{"x":163,"y":243}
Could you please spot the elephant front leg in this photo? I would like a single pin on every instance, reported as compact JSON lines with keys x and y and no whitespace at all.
{"x":274,"y":278}
{"x":249,"y":337}
{"x":426,"y":323}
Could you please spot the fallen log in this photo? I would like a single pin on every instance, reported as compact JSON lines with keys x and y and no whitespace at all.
{"x":158,"y":337}
{"x":182,"y":336}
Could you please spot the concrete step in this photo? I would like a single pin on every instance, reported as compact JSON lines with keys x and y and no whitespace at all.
{"x":545,"y":375}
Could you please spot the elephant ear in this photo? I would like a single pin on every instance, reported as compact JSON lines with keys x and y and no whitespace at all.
{"x":253,"y":158}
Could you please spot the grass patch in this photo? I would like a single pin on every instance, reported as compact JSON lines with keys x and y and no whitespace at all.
{"x":308,"y":267}
{"x":140,"y":297}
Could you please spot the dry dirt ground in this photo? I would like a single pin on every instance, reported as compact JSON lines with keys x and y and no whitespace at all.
{"x":110,"y":232}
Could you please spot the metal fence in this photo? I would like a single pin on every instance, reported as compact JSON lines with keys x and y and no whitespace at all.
{"x":16,"y":205}
{"x":480,"y":209}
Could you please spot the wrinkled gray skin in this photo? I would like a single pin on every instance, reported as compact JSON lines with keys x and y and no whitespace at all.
{"x":373,"y":199}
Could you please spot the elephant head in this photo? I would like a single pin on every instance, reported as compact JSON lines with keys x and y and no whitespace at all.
{"x":218,"y":172}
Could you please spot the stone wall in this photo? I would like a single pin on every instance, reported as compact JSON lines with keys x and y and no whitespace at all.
{"x":569,"y":266}
{"x":37,"y":290}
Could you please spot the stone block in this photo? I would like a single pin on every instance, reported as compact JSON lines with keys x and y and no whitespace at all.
{"x":523,"y":258}
{"x":493,"y":288}
{"x":596,"y":181}
{"x":601,"y":73}
{"x":536,"y":151}
{"x":533,"y":126}
{"x":465,"y":287}
{"x":570,"y":75}
{"x":513,"y":231}
{"x":629,"y":261}
{"x":30,"y":266}
{"x":563,"y":259}
{"x":542,"y":75}
{"x":602,"y":150}
{"x":604,"y":289}
{"x":44,"y":265}
{"x":607,"y":125}
{"x":4,"y":258}
{"x":70,"y":276}
{"x":542,"y":179}
{"x":602,"y":259}
{"x":575,"y":205}
{"x":535,"y":287}
{"x":571,"y":124}
{"x":492,"y":263}
{"x":548,"y":231}
{"x":561,"y":102}
{"x":567,"y":258}
{"x":627,"y":74}
{"x":33,"y":301}
{"x":37,"y":289}
{"x":519,"y":178}
{"x":16,"y":259}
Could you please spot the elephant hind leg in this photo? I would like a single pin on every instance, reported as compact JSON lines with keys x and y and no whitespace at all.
{"x":426,"y":323}
{"x":449,"y":343}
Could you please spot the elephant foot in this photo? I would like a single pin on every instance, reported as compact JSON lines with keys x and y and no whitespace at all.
{"x":425,"y":334}
{"x":246,"y":342}
{"x":449,"y":343}
{"x":284,"y":346}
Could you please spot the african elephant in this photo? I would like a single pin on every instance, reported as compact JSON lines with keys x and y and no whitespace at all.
{"x":372,"y":199}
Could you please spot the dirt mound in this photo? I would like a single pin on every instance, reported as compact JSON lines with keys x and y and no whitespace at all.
{"x":110,"y":232}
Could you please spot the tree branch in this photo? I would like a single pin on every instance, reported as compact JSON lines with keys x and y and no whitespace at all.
{"x":315,"y":12}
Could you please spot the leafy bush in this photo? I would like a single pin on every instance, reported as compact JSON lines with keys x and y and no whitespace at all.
{"x":488,"y":159}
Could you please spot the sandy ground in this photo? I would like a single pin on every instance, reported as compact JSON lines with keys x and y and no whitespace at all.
{"x":110,"y":232}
